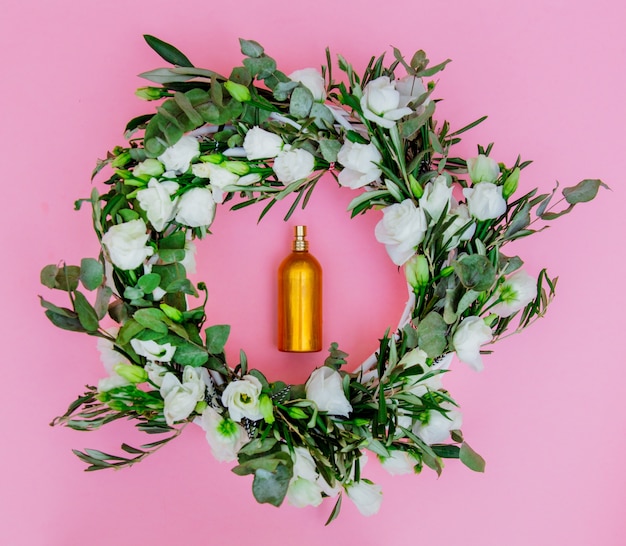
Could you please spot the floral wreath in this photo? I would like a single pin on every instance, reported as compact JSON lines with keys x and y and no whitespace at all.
{"x":259,"y":135}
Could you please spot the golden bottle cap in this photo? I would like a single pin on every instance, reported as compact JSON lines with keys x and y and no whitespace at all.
{"x":300,"y":243}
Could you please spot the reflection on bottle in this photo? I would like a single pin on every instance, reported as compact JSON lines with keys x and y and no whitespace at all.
{"x":300,"y":299}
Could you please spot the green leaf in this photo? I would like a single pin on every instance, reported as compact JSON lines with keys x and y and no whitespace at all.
{"x":329,"y":149}
{"x":446,"y":451}
{"x":335,"y":511}
{"x":103,"y":296}
{"x":261,"y":67}
{"x":170,"y":256}
{"x":67,"y":278}
{"x":216,"y":337}
{"x":128,"y":331}
{"x":431,"y":334}
{"x":475,"y":272}
{"x":63,"y":311}
{"x":583,"y":192}
{"x":471,"y":459}
{"x":250,"y":48}
{"x":91,"y":273}
{"x":519,"y":221}
{"x":301,"y":102}
{"x":48,"y":276}
{"x":189,"y":354}
{"x":271,"y":487}
{"x":148,"y":283}
{"x":153,"y":319}
{"x":167,"y":52}
{"x":86,"y":313}
{"x":65,"y":323}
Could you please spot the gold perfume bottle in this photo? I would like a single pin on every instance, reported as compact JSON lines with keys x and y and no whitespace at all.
{"x":300,"y":299}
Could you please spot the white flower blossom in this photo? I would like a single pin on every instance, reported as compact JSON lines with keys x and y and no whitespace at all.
{"x":514,"y":294}
{"x":360,"y":164}
{"x":152,"y":350}
{"x":367,"y":497}
{"x":482,"y":169}
{"x":178,"y":157}
{"x":438,"y":425}
{"x":293,"y":164}
{"x":469,"y":336}
{"x":224,"y":436}
{"x":312,"y":80}
{"x":402,"y":228}
{"x":181,"y":398}
{"x":126,"y":244}
{"x":437,"y":197}
{"x":381,"y":103}
{"x":241,"y":398}
{"x":398,"y":463}
{"x":157,"y":201}
{"x":196,"y":208}
{"x":485,"y":201}
{"x":261,"y":144}
{"x":324,"y":387}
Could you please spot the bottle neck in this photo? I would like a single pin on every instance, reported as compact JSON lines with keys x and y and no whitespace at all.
{"x":300,"y":244}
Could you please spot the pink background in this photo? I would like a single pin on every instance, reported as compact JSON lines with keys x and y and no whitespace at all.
{"x":548,"y":411}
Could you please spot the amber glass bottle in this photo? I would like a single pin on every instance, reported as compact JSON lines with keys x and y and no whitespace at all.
{"x":300,"y":299}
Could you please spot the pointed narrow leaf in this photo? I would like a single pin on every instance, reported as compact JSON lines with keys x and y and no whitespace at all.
{"x":167,"y":51}
{"x":86,"y":313}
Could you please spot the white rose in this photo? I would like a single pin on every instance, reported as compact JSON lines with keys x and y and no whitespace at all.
{"x":398,"y":463}
{"x":367,"y":497}
{"x":360,"y":164}
{"x":293,"y":164}
{"x":469,"y":336}
{"x":410,"y":88}
{"x":402,"y":228}
{"x":261,"y":144}
{"x":452,"y":236}
{"x":325,"y":388}
{"x":304,"y":489}
{"x":108,"y":355}
{"x":381,"y":103}
{"x":224,"y":436}
{"x":126,"y":244}
{"x":177,"y":158}
{"x":303,"y":492}
{"x":482,"y":169}
{"x":438,"y":425}
{"x":485,"y":201}
{"x":312,"y":80}
{"x":180,"y":399}
{"x":219,"y":176}
{"x":157,"y":201}
{"x":150,"y":167}
{"x":242,"y":399}
{"x":155,"y":372}
{"x":196,"y":208}
{"x":514,"y":294}
{"x":152,"y":350}
{"x":437,"y":197}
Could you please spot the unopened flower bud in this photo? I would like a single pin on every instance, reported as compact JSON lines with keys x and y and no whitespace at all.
{"x":216,"y":159}
{"x":237,"y":167}
{"x":511,"y":184}
{"x":171,"y":312}
{"x":151,"y":93}
{"x":296,"y":413}
{"x":416,"y":187}
{"x":132,"y":373}
{"x":267,"y":408}
{"x":417,"y":271}
{"x":237,"y":91}
{"x":121,"y":160}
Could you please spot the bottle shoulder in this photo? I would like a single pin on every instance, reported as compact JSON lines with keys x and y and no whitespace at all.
{"x":303,"y":259}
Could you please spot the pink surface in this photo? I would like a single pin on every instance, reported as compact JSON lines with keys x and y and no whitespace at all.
{"x":548,"y":411}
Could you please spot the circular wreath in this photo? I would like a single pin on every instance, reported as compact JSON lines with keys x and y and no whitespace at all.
{"x":259,"y":135}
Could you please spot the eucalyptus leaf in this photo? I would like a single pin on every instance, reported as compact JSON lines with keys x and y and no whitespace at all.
{"x":91,"y":273}
{"x":153,"y":319}
{"x":475,"y":272}
{"x":583,"y":192}
{"x":216,"y":337}
{"x":188,"y":354}
{"x":471,"y":459}
{"x":250,"y":48}
{"x":431,"y":334}
{"x":271,"y":487}
{"x":301,"y":102}
{"x":86,"y":313}
{"x":64,"y":322}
